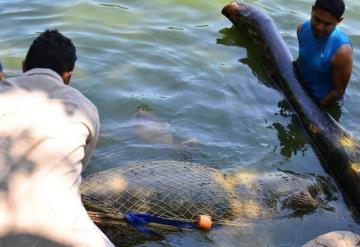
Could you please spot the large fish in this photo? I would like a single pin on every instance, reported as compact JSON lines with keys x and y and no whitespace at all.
{"x":150,"y":129}
{"x":339,"y":152}
{"x":183,"y":191}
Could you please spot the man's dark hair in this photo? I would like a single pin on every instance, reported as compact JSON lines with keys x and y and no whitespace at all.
{"x":51,"y":50}
{"x":335,"y":7}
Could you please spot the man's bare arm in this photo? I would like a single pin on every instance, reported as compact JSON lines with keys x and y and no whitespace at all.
{"x":341,"y":67}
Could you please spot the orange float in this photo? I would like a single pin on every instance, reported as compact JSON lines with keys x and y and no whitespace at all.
{"x":203,"y":222}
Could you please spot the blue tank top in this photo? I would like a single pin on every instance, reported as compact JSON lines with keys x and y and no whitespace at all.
{"x":315,"y":56}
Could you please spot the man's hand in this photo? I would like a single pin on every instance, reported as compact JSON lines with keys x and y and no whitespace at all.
{"x":330,"y":99}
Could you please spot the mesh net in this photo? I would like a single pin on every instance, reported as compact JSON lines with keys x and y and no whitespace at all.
{"x":170,"y":189}
{"x":183,"y":191}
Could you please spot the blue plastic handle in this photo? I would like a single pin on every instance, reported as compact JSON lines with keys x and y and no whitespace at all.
{"x":139,"y":220}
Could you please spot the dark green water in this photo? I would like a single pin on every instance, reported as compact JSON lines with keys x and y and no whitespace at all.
{"x":182,"y":60}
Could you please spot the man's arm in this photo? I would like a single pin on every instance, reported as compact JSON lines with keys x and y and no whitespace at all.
{"x":93,"y":125}
{"x":341,"y":67}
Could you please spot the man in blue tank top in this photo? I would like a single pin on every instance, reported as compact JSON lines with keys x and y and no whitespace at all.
{"x":325,"y":52}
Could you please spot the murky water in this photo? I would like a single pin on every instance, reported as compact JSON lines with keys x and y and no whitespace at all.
{"x":183,"y":61}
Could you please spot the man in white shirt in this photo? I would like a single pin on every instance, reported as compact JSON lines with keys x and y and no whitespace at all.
{"x":48,"y":131}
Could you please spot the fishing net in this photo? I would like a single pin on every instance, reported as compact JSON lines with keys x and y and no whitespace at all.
{"x":183,"y":191}
{"x":171,"y":189}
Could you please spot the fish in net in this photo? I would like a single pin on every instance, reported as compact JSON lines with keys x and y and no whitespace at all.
{"x":183,"y":191}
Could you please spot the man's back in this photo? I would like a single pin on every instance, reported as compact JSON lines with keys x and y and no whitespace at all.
{"x":47,"y":133}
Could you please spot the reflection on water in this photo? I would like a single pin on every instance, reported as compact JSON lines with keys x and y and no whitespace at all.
{"x":232,"y":37}
{"x":291,"y":137}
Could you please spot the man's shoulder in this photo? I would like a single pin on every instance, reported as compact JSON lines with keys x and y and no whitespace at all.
{"x":340,"y":37}
{"x":54,"y":90}
{"x":71,"y":95}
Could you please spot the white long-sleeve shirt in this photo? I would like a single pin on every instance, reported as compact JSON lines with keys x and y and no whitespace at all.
{"x":48,"y":131}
